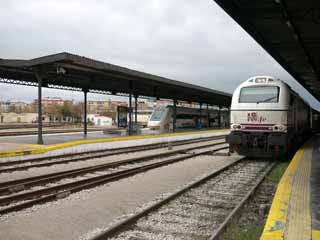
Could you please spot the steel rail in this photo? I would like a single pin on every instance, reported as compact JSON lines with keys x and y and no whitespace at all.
{"x":117,"y":228}
{"x":99,"y":153}
{"x":21,"y":184}
{"x":125,"y":224}
{"x":217,"y":233}
{"x":68,"y":188}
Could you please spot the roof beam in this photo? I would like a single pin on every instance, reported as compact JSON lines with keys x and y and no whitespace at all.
{"x":295,"y":32}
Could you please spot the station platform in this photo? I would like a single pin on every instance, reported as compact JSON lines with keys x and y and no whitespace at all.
{"x":64,"y":137}
{"x":295,"y":210}
{"x":13,"y":149}
{"x":71,"y":142}
{"x":55,"y":138}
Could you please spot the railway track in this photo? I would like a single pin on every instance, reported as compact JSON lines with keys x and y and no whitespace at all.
{"x":23,"y":193}
{"x":201,"y":210}
{"x":21,"y":165}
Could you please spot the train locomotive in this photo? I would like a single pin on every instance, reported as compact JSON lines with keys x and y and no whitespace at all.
{"x":267,"y":118}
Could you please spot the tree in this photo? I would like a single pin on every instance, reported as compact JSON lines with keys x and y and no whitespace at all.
{"x":76,"y":110}
{"x":64,"y":110}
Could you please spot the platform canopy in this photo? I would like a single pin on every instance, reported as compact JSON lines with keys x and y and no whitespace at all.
{"x":288,"y":29}
{"x":69,"y":71}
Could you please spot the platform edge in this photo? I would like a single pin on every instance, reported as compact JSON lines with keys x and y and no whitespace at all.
{"x":277,"y":218}
{"x":42,"y":149}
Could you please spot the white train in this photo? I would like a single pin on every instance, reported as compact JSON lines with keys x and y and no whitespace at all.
{"x":162,"y":118}
{"x":267,"y":118}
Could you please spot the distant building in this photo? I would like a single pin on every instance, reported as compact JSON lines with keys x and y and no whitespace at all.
{"x":52,"y":101}
{"x":98,"y":107}
{"x":145,"y":105}
{"x":4,"y":107}
{"x":115,"y":104}
{"x":12,"y":117}
{"x":99,"y":120}
{"x":50,"y":118}
{"x":13,"y":106}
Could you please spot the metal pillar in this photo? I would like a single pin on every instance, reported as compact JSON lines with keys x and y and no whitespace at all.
{"x":85,"y":119}
{"x":174,"y":122}
{"x":39,"y":78}
{"x":200,"y":119}
{"x":208,"y":115}
{"x":136,"y":109}
{"x":228,"y":117}
{"x":130,"y":113}
{"x":219,"y":115}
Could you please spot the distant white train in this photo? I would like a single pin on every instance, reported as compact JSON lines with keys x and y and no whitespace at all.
{"x":267,"y":118}
{"x":162,"y":118}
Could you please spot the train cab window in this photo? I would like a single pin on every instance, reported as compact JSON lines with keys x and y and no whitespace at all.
{"x":157,"y":114}
{"x":259,"y":95}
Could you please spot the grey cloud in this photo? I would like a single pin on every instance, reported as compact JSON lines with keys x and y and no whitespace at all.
{"x":191,"y":41}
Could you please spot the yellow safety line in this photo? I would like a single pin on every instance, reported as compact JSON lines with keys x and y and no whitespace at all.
{"x":315,"y":234}
{"x":277,"y":218}
{"x":43,"y":149}
{"x":124,"y":138}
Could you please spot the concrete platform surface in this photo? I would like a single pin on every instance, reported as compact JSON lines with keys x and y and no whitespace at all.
{"x":94,"y":141}
{"x":56,"y":138}
{"x":295,"y":211}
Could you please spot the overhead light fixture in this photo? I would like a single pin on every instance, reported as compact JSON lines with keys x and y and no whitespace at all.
{"x":61,"y":70}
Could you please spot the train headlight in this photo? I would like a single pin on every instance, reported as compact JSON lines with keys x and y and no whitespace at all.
{"x":279,"y":128}
{"x":235,"y":127}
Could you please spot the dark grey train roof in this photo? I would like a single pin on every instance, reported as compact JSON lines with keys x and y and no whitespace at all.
{"x":288,"y":29}
{"x":84,"y":73}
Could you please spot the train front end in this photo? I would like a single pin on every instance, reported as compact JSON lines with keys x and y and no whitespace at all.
{"x":258,"y":118}
{"x":159,"y":119}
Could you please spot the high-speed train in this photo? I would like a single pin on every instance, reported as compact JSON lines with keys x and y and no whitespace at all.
{"x":267,"y":118}
{"x":162,"y":118}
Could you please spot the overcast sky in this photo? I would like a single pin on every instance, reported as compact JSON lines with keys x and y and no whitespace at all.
{"x":186,"y":40}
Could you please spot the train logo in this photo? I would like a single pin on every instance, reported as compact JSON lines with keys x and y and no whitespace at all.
{"x":253,"y":117}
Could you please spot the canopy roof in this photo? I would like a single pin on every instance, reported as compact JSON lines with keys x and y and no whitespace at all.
{"x":288,"y":29}
{"x":69,"y":71}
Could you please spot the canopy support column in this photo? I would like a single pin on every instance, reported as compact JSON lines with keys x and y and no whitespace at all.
{"x":174,"y":122}
{"x":39,"y":78}
{"x":85,"y":118}
{"x":130,"y":114}
{"x":130,"y":109}
{"x":208,"y":115}
{"x":200,"y":119}
{"x":136,"y":109}
{"x":219,"y":117}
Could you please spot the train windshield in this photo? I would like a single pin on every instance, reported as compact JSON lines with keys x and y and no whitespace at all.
{"x":259,"y":95}
{"x":157,"y":114}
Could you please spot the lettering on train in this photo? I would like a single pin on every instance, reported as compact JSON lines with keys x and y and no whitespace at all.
{"x":253,"y":117}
